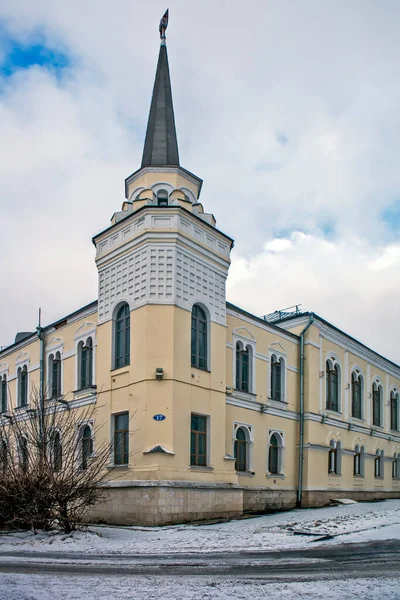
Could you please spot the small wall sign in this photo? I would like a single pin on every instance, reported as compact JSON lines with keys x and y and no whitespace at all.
{"x":159,"y":417}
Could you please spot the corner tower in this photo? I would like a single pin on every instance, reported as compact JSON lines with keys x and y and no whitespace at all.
{"x":163,"y":259}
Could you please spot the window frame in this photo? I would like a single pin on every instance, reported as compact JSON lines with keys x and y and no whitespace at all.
{"x":125,"y":332}
{"x":54,"y":364}
{"x":332,"y":366}
{"x":394,"y":410}
{"x":23,"y":386}
{"x":379,"y":465}
{"x":242,"y":351}
{"x":123,"y":434}
{"x":245,"y":444}
{"x":357,"y":389}
{"x":377,"y":399}
{"x":86,"y":445}
{"x":277,"y":374}
{"x":196,"y":336}
{"x":195,"y":434}
{"x":85,"y":363}
{"x":3,"y":393}
{"x":335,"y":458}
{"x":278,"y":450}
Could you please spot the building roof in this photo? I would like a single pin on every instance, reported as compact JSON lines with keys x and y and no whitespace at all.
{"x":298,"y":314}
{"x":161,"y":144}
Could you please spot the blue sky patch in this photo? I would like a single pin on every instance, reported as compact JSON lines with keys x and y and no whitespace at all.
{"x":19,"y":56}
{"x":391,"y":216}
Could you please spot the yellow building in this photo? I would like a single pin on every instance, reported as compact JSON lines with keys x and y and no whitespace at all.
{"x":212,"y":411}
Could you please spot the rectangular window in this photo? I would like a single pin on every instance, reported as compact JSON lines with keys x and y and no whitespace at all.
{"x":198,"y":441}
{"x":121,"y":439}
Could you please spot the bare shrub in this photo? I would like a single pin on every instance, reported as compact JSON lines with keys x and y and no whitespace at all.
{"x":51,"y":471}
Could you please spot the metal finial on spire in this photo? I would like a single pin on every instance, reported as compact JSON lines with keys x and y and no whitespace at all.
{"x":161,"y":144}
{"x":164,"y":25}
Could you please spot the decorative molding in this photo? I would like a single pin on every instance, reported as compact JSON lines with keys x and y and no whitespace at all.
{"x":273,"y":346}
{"x":22,"y":358}
{"x":243,"y":333}
{"x":87,"y":329}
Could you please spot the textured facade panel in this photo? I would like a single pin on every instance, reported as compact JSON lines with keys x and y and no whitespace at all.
{"x":160,"y":274}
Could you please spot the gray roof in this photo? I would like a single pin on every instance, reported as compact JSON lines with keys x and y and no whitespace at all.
{"x":161,"y":144}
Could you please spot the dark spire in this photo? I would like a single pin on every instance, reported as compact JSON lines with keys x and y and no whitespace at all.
{"x":161,"y":144}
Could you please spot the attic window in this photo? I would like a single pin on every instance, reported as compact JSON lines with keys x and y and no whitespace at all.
{"x":162,"y":198}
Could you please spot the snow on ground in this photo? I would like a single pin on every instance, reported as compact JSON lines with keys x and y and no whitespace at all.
{"x":63,"y":587}
{"x":352,"y":523}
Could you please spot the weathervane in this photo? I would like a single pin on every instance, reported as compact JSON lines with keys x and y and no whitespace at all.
{"x":163,"y":26}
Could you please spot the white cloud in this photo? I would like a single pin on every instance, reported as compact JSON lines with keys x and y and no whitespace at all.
{"x":288,"y":110}
{"x":339,"y":281}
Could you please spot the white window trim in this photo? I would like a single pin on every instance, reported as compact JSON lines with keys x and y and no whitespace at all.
{"x":283,"y":356}
{"x":376,"y":379}
{"x":250,"y":429}
{"x":359,"y":371}
{"x":246,"y":341}
{"x":333,"y":358}
{"x":281,"y":453}
{"x":17,"y":385}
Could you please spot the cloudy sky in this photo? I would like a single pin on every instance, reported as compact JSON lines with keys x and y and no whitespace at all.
{"x":289,"y":111}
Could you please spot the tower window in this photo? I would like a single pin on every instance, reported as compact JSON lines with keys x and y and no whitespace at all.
{"x":162,"y":198}
{"x":199,"y":338}
{"x":122,"y":336}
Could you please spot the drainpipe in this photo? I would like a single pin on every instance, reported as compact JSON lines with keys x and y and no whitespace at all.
{"x":40,"y":334}
{"x":301,"y":437}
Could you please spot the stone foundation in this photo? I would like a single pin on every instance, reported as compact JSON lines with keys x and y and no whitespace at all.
{"x":265,"y":500}
{"x":320,"y":498}
{"x":154,"y":503}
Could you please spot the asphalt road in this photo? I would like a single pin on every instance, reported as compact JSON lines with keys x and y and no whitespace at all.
{"x":374,"y":559}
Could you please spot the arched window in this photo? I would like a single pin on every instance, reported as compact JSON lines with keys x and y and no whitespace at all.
{"x":275,"y":454}
{"x":3,"y":393}
{"x":199,"y":343}
{"x":85,"y":364}
{"x":357,"y":461}
{"x":3,"y":455}
{"x":394,"y":410}
{"x":55,"y":375}
{"x":356,"y":395}
{"x":379,"y":464}
{"x":23,"y":386}
{"x":277,"y":374}
{"x":23,"y":454}
{"x":86,"y":446}
{"x":396,"y":466}
{"x":376,"y":404}
{"x":332,"y":386}
{"x":242,"y":449}
{"x":162,"y":198}
{"x":335,"y":458}
{"x":56,"y":451}
{"x":243,"y":364}
{"x":122,"y":337}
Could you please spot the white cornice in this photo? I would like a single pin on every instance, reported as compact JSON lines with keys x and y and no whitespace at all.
{"x":346,"y":343}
